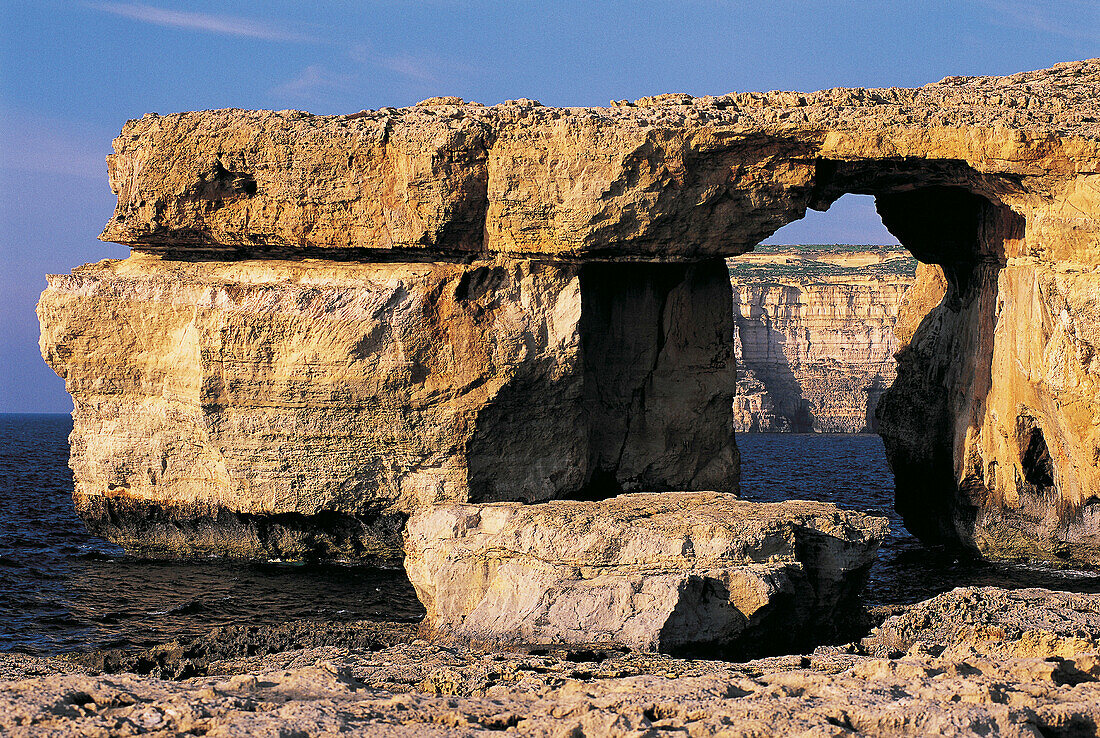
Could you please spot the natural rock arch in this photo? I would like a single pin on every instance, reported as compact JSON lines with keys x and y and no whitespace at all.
{"x":960,"y":237}
{"x":301,"y":332}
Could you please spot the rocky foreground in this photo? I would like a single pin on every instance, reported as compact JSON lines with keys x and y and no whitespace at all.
{"x":975,"y":661}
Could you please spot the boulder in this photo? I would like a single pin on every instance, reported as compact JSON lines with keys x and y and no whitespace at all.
{"x":700,"y":573}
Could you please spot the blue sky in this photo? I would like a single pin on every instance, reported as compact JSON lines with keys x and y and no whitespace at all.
{"x":73,"y":72}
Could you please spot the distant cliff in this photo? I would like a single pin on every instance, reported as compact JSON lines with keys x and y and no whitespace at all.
{"x":815,"y":336}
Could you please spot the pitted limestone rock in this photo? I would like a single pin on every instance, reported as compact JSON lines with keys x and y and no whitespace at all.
{"x":674,"y":572}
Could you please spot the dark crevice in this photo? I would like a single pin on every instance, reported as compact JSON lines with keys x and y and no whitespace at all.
{"x":479,"y":283}
{"x":1037,"y":464}
{"x":220,"y":184}
{"x":155,"y":529}
{"x":601,"y":486}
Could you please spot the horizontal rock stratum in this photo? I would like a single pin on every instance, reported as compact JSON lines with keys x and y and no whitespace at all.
{"x":302,"y":409}
{"x":666,"y":177}
{"x":675,"y":572}
{"x":992,"y":427}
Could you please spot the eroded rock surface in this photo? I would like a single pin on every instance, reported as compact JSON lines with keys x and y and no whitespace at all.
{"x":815,"y":335}
{"x":1015,"y":622}
{"x":665,"y":177}
{"x":302,"y":409}
{"x":1033,"y":677}
{"x":675,"y":572}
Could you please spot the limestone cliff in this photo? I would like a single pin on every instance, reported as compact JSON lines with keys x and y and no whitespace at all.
{"x":992,"y":427}
{"x":815,"y":335}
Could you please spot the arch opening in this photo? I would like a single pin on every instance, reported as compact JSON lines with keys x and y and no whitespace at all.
{"x":814,"y":312}
{"x":958,"y":236}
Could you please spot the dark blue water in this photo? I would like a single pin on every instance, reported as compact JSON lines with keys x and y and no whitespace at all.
{"x":851,"y":470}
{"x":62,"y":589}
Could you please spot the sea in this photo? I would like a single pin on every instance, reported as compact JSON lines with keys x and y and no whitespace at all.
{"x":64,"y":590}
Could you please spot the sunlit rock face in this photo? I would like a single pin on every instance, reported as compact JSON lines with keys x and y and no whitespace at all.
{"x":993,"y":425}
{"x":680,"y":572}
{"x":302,"y":409}
{"x":989,"y":438}
{"x":815,"y":335}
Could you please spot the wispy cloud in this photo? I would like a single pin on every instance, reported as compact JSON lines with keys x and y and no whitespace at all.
{"x":410,"y":66}
{"x":310,"y":85}
{"x":225,"y":25}
{"x":418,"y":66}
{"x":1079,"y":21}
{"x":422,"y":74}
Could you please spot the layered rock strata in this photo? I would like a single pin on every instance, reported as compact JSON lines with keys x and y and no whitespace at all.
{"x":980,"y":661}
{"x":676,"y":572}
{"x":297,"y":409}
{"x":815,"y":336}
{"x":993,"y":426}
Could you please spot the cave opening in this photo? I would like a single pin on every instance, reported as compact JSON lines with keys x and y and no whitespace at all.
{"x":1036,"y":461}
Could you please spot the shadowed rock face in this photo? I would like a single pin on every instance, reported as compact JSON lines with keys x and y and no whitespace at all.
{"x":993,"y":427}
{"x":987,"y":385}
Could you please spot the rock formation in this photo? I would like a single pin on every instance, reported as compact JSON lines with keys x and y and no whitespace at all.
{"x":980,"y":661}
{"x":297,"y":409}
{"x":992,"y":427}
{"x":815,"y":335}
{"x":675,"y":572}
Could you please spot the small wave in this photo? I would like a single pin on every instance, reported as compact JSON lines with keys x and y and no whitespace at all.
{"x":295,"y":563}
{"x":95,"y":556}
{"x":190,"y":607}
{"x":1052,"y":571}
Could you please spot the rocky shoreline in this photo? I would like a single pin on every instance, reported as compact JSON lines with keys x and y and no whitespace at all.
{"x":970,"y":661}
